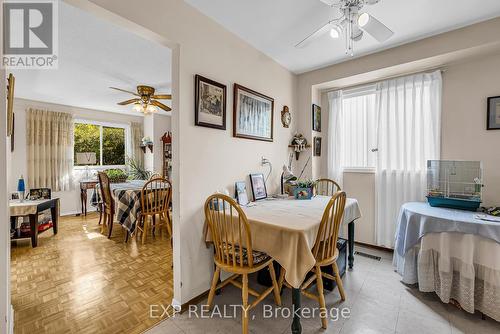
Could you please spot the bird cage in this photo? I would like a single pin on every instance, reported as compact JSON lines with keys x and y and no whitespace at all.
{"x":454,"y":184}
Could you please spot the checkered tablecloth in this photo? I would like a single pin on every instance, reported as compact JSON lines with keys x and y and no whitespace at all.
{"x":127,"y":197}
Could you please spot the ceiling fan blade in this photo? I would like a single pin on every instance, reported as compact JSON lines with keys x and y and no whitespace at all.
{"x":125,"y":91}
{"x":315,"y":35}
{"x":374,"y":27}
{"x":124,"y":103}
{"x":160,"y":105}
{"x":331,"y":2}
{"x":162,"y":96}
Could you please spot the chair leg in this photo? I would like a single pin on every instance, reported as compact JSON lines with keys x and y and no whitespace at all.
{"x":144,"y":229}
{"x":276,"y":290}
{"x":99,"y":208}
{"x":168,"y":222}
{"x":211,"y":294}
{"x":244,"y":295}
{"x":104,"y":222}
{"x":110,"y":226}
{"x":281,"y":279}
{"x":154,"y":225}
{"x":127,"y":236}
{"x":322,"y":303}
{"x":338,"y":279}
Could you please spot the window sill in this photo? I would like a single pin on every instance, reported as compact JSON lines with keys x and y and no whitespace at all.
{"x":364,"y":170}
{"x":99,"y":167}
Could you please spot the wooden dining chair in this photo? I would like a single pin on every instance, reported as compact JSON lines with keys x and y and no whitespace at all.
{"x":234,"y":253}
{"x":156,"y":195}
{"x":326,"y":187}
{"x":155,"y":175}
{"x":108,"y":205}
{"x":326,"y":253}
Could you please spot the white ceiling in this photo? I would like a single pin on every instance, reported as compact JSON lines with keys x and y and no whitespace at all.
{"x":275,"y":26}
{"x":94,"y":55}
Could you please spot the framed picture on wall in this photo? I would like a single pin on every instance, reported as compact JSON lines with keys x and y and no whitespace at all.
{"x":317,"y":146}
{"x":258,"y":186}
{"x":252,"y":114}
{"x":493,"y":117}
{"x":210,"y":103}
{"x":316,"y":118}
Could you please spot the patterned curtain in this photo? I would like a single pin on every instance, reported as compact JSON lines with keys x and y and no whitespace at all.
{"x":50,"y":149}
{"x":137,"y":133}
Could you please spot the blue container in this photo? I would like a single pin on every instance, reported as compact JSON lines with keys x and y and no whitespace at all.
{"x":454,"y":203}
{"x":302,"y":193}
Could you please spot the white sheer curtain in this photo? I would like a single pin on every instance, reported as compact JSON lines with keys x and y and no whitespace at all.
{"x":409,"y":133}
{"x":49,"y":139}
{"x":335,"y":136}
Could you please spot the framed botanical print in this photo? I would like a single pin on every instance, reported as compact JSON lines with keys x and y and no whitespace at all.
{"x":252,"y":114}
{"x":258,"y":186}
{"x":210,"y":103}
{"x":316,"y":118}
{"x":493,"y":122}
{"x":317,"y":146}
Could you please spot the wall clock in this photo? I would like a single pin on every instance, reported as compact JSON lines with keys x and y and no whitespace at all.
{"x":286,"y":117}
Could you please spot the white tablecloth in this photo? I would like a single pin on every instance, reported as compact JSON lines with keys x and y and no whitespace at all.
{"x":463,"y":267}
{"x":24,"y":208}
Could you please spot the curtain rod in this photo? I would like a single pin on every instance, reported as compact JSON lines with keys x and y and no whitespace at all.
{"x":367,"y":83}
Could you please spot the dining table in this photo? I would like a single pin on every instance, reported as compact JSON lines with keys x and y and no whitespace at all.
{"x":286,"y":230}
{"x":127,"y":200}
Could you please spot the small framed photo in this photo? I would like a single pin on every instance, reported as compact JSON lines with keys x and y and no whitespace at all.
{"x":317,"y":146}
{"x":316,"y":118}
{"x":210,"y":103}
{"x":14,"y":195}
{"x":493,"y":122}
{"x":258,"y":186}
{"x":240,"y":189}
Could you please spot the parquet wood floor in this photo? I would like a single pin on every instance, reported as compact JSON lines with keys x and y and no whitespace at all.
{"x":78,"y":281}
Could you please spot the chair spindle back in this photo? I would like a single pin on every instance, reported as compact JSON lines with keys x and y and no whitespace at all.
{"x":229,"y":228}
{"x":328,"y":233}
{"x":107,"y":199}
{"x":156,"y":195}
{"x":326,"y":187}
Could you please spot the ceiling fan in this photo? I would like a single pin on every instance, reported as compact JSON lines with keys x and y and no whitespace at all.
{"x":352,"y":23}
{"x":146,"y":99}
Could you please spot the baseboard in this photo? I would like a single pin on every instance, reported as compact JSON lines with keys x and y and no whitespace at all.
{"x":380,"y":248}
{"x":75,"y":213}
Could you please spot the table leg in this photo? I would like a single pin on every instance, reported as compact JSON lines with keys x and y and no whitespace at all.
{"x":81,"y":198}
{"x":54,"y":212}
{"x":296,"y":326}
{"x":34,"y":229}
{"x":350,"y":241}
{"x":84,"y":198}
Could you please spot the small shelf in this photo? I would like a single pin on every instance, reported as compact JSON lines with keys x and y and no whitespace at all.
{"x":297,"y":153}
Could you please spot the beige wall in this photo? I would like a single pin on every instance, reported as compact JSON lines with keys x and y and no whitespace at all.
{"x":208,"y":159}
{"x":466,"y":87}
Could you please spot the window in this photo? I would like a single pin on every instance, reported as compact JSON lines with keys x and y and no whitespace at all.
{"x":359,"y":128}
{"x":106,"y":141}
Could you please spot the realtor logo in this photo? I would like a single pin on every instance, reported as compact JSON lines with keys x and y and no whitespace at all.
{"x":30,"y":34}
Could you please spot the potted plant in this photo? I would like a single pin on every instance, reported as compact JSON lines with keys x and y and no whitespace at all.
{"x":304,"y":189}
{"x":116,"y":175}
{"x":137,"y":170}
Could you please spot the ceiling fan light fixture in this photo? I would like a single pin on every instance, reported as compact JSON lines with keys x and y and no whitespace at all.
{"x":151,"y":109}
{"x":137,"y":107}
{"x":335,"y":32}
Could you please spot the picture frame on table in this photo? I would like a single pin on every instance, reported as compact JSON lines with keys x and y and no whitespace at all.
{"x":253,"y":114}
{"x":493,"y":115}
{"x":210,"y":103}
{"x":240,"y":189}
{"x":258,"y":184}
{"x":316,"y":118}
{"x":317,"y":146}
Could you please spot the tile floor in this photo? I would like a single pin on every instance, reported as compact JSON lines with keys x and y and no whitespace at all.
{"x":377,"y":300}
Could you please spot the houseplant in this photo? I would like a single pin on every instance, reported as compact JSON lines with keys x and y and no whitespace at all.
{"x":116,"y":175}
{"x":137,"y":170}
{"x":304,"y":189}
